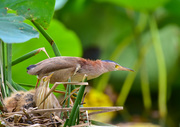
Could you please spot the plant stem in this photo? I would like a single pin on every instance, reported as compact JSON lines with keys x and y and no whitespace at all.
{"x":17,"y":86}
{"x":4,"y":71}
{"x":65,"y":124}
{"x":76,"y":105}
{"x":9,"y":58}
{"x":69,"y":92}
{"x":162,"y":98}
{"x":3,"y":89}
{"x":48,"y":38}
{"x":145,"y":88}
{"x":75,"y":116}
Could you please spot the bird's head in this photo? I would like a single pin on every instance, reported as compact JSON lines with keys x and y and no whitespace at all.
{"x":113,"y":66}
{"x":45,"y":80}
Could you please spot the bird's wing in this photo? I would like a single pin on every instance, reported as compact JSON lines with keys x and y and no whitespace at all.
{"x":52,"y":64}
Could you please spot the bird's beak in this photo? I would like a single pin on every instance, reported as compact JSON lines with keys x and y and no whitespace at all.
{"x":121,"y":68}
{"x":48,"y":77}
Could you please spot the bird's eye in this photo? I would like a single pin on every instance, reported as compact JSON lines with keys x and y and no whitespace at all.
{"x":116,"y":66}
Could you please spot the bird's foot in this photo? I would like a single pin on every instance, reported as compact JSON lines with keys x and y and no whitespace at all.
{"x":44,"y":50}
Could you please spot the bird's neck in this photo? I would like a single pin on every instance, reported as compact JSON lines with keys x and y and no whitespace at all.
{"x":98,"y":67}
{"x":107,"y":66}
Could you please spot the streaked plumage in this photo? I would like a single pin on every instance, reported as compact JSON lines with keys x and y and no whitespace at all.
{"x":19,"y":100}
{"x":74,"y":67}
{"x":40,"y":93}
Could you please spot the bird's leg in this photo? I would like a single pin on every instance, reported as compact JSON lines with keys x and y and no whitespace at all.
{"x":77,"y":69}
{"x":58,"y":91}
{"x":71,"y":95}
{"x":73,"y":92}
{"x":84,"y":78}
{"x":63,"y":92}
{"x":83,"y":98}
{"x":74,"y":89}
{"x":37,"y":83}
{"x":44,"y":50}
{"x":57,"y":83}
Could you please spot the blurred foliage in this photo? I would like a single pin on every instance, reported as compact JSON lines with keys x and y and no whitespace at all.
{"x":138,"y":4}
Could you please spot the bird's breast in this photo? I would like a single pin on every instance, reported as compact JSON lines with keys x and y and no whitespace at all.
{"x":79,"y":76}
{"x":62,"y":75}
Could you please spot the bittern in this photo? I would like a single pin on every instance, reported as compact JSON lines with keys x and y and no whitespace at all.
{"x":19,"y":100}
{"x":41,"y":92}
{"x":73,"y":67}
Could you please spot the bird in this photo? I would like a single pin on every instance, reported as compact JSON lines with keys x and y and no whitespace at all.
{"x":64,"y":67}
{"x":41,"y":92}
{"x":33,"y":98}
{"x":20,"y":100}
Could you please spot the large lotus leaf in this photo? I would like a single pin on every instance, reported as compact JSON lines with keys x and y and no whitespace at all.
{"x":40,"y":11}
{"x":66,"y":40}
{"x":13,"y":30}
{"x":137,"y":4}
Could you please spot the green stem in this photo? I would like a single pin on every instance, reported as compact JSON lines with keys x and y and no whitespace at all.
{"x":17,"y":86}
{"x":78,"y":117}
{"x":162,"y":98}
{"x":76,"y":105}
{"x":9,"y":58}
{"x":48,"y":38}
{"x":145,"y":88}
{"x":3,"y":89}
{"x":66,"y":123}
{"x":11,"y":87}
{"x":75,"y":116}
{"x":69,"y":92}
{"x":6,"y":92}
{"x":142,"y":23}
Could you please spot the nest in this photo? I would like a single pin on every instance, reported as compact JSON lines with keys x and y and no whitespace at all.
{"x":22,"y":109}
{"x":17,"y":119}
{"x":33,"y":117}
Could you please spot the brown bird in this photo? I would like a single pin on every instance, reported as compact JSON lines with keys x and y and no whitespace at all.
{"x":19,"y":100}
{"x":74,"y":67}
{"x":41,"y":92}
